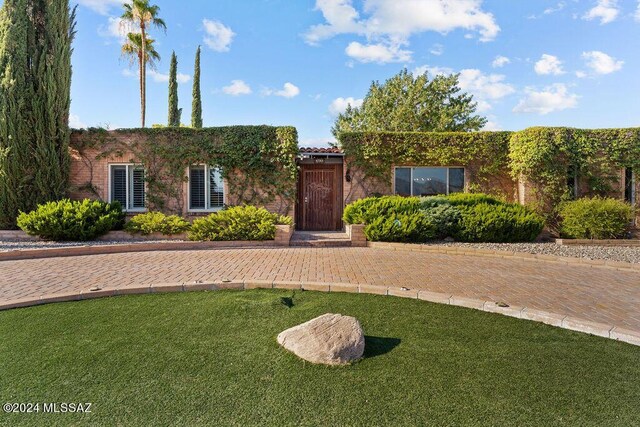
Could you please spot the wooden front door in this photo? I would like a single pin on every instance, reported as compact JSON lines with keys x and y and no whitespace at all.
{"x":320,"y":197}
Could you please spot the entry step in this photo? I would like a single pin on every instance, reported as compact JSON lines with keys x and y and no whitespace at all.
{"x":321,"y":239}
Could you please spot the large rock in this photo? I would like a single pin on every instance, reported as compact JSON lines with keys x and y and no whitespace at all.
{"x":331,"y":339}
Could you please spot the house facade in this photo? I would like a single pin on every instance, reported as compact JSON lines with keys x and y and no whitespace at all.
{"x":327,"y":180}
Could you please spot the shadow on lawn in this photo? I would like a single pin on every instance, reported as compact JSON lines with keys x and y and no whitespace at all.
{"x":377,"y":346}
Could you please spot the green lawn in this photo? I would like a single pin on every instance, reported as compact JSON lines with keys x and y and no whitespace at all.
{"x":212,"y":358}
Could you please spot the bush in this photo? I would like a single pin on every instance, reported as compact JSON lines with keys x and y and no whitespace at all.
{"x":67,"y":220}
{"x":471,"y":199}
{"x":446,"y":219}
{"x":157,"y":222}
{"x":433,"y":201}
{"x":238,"y":223}
{"x":596,"y":218}
{"x":499,"y":223}
{"x":407,"y":228}
{"x":366,"y":211}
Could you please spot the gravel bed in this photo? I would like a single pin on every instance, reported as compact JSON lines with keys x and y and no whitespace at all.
{"x":6,"y":246}
{"x":610,"y":253}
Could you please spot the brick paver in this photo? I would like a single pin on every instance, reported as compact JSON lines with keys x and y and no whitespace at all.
{"x":601,"y":295}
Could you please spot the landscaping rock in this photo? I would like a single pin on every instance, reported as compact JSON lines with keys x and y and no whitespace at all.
{"x":331,"y":339}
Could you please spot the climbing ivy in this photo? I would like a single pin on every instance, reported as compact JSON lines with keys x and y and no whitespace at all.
{"x":542,"y":156}
{"x":547,"y":157}
{"x":375,"y":153}
{"x":258,"y":162}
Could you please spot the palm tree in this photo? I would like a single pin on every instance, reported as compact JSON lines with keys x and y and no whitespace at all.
{"x":132,"y":48}
{"x":140,"y":15}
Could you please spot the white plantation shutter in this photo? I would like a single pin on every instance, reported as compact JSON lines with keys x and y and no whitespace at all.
{"x":119,"y":185}
{"x":216,"y":194}
{"x":197,"y":196}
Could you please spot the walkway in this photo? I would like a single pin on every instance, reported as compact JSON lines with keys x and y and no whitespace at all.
{"x":600,"y":295}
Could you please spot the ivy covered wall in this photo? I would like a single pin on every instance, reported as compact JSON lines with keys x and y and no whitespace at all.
{"x":258,"y":163}
{"x":533,"y":165}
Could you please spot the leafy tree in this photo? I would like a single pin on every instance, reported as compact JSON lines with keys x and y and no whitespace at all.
{"x":408,"y":103}
{"x":174,"y":111}
{"x":140,"y":14}
{"x":35,"y":83}
{"x":196,"y":107}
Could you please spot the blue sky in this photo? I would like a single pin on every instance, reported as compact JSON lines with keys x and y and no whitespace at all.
{"x":286,"y":62}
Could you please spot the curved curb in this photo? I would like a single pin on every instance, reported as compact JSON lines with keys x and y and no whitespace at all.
{"x":558,"y":320}
{"x":71,"y":251}
{"x":554,"y":259}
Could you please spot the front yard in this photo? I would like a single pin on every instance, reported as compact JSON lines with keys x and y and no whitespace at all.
{"x":212,"y":358}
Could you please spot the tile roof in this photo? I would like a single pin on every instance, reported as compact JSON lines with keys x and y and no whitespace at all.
{"x":320,"y":150}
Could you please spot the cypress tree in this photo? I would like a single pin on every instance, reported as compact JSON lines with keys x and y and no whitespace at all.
{"x":174,"y":111}
{"x":35,"y":84}
{"x":196,"y":107}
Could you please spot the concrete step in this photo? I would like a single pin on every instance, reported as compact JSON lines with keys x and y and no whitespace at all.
{"x":333,"y":243}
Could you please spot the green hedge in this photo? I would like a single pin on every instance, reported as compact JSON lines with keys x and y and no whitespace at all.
{"x":595,"y":218}
{"x":67,"y":220}
{"x":157,"y":222}
{"x":238,"y":223}
{"x":467,"y":217}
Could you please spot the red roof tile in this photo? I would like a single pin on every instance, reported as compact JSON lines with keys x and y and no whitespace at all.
{"x":320,"y":150}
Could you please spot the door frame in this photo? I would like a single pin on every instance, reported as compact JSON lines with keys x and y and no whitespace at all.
{"x":337,"y":190}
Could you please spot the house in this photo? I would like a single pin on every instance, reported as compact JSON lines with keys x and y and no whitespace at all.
{"x":167,"y":170}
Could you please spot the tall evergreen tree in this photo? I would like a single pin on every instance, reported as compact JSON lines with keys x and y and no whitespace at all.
{"x":174,"y":111}
{"x":196,"y":107}
{"x":35,"y":83}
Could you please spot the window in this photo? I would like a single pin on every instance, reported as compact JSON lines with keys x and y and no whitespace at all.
{"x":127,"y":186}
{"x":572,"y":182}
{"x":629,"y":186}
{"x":205,"y":189}
{"x":428,"y":181}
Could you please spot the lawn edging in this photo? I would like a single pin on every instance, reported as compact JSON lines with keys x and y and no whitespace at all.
{"x":595,"y":242}
{"x":555,"y":259}
{"x":553,"y":319}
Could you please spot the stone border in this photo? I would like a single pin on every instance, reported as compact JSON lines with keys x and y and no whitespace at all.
{"x":553,"y":319}
{"x":451,"y":250}
{"x":589,"y":242}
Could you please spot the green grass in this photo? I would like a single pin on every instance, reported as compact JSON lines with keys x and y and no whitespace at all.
{"x":212,"y":358}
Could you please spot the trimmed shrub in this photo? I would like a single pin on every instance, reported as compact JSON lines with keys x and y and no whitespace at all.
{"x":238,"y":223}
{"x":367,"y":210}
{"x":446,"y":219}
{"x":499,"y":223}
{"x":471,"y":199}
{"x":407,"y":228}
{"x":157,"y":222}
{"x":67,"y":220}
{"x":596,"y":218}
{"x":433,"y":201}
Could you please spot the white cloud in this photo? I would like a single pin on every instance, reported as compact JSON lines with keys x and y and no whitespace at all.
{"x":432,"y":71}
{"x":601,"y":63}
{"x":379,"y":53}
{"x":437,"y":49}
{"x":128,"y":73}
{"x":484,"y":86}
{"x":164,"y":78}
{"x":492,"y":126}
{"x":637,"y":14}
{"x":391,"y":23}
{"x":115,"y":27}
{"x":75,"y":122}
{"x":581,"y":74}
{"x":237,"y":88}
{"x":551,"y":99}
{"x":218,"y":36}
{"x":551,"y":10}
{"x":339,"y":105}
{"x":605,"y":10}
{"x":500,"y":61}
{"x":318,"y":142}
{"x":101,"y":6}
{"x":549,"y":64}
{"x":289,"y":90}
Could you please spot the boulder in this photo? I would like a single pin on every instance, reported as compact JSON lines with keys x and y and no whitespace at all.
{"x":331,"y":339}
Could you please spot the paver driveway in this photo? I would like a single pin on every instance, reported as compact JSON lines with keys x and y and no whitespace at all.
{"x":601,"y":295}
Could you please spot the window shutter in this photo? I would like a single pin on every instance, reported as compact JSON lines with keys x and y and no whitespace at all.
{"x":137,"y":188}
{"x":119,"y":185}
{"x":197,"y":196}
{"x":216,"y":193}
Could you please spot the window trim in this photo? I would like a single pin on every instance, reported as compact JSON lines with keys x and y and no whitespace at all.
{"x":634,"y":195}
{"x":464,"y":170}
{"x":128,"y":166}
{"x":207,"y":190}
